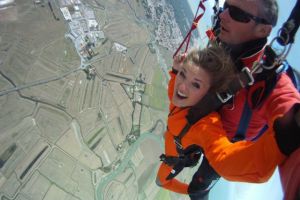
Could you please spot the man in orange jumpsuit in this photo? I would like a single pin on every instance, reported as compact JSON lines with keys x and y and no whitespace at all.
{"x":244,"y":28}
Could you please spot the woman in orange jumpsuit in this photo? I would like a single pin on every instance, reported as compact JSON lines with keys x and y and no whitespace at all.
{"x":202,"y":71}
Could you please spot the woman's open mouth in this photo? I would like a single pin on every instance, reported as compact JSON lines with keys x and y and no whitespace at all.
{"x":180,"y":95}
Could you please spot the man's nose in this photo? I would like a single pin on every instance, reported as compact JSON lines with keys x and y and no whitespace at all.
{"x":224,"y":15}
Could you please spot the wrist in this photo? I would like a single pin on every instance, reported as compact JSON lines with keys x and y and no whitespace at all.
{"x":175,"y":71}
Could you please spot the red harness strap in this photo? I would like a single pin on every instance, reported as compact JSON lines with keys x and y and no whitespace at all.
{"x":194,"y":26}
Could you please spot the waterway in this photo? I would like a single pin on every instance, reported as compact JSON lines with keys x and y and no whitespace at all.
{"x":125,"y":162}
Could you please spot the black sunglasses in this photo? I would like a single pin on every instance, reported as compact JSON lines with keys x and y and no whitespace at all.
{"x":242,"y":16}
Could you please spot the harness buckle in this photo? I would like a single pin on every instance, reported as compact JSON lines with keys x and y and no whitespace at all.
{"x":224,"y":97}
{"x":162,"y":157}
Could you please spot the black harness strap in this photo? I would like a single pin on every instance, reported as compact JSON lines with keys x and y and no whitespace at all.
{"x":187,"y":157}
{"x":177,"y":139}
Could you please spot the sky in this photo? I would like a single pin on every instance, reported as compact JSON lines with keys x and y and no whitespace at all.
{"x":244,"y":191}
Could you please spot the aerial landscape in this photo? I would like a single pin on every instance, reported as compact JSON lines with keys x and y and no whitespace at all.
{"x":83,"y":97}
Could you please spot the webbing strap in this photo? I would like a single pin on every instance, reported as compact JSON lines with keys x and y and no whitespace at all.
{"x":194,"y":26}
{"x":294,"y":75}
{"x":260,"y":132}
{"x":177,"y":139}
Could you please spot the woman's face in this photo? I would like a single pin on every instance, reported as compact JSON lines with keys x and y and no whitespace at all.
{"x":191,"y":84}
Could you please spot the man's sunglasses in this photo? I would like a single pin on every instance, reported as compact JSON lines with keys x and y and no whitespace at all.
{"x":242,"y":16}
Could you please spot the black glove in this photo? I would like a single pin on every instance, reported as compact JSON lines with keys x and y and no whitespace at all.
{"x":192,"y":155}
{"x":287,"y":130}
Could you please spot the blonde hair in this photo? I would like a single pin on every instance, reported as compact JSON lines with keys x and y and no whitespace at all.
{"x":217,"y":63}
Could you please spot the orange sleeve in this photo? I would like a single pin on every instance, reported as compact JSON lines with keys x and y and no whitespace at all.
{"x":244,"y":161}
{"x":172,"y":184}
{"x":164,"y":170}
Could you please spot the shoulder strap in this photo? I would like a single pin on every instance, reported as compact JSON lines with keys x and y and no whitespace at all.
{"x":293,"y":74}
{"x":243,"y":124}
{"x":177,"y":139}
{"x":258,"y":93}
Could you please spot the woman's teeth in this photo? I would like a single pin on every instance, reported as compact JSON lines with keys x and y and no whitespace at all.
{"x":181,"y":95}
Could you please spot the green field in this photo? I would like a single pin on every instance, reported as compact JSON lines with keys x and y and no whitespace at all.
{"x":156,"y":94}
{"x":163,"y":195}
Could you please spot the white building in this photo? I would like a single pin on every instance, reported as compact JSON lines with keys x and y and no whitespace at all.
{"x":76,"y":8}
{"x":66,"y":13}
{"x":120,"y":47}
{"x":65,"y":3}
{"x":77,"y":2}
{"x":93,"y":25}
{"x":76,"y":15}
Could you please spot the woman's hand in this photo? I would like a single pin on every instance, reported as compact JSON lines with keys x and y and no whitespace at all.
{"x":178,"y":61}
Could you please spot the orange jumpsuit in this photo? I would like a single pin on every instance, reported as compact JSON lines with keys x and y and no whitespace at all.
{"x":245,"y":161}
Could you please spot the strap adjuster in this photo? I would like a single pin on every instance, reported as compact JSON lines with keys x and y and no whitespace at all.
{"x":178,"y":144}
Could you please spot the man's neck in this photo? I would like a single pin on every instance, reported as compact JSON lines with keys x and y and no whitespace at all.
{"x":246,"y":49}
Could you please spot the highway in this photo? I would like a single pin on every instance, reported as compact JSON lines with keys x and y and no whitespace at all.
{"x":39,"y":82}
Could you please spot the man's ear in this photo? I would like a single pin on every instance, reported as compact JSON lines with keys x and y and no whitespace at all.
{"x":263,"y":30}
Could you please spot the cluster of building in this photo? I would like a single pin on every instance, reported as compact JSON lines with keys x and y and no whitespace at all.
{"x":84,"y":29}
{"x":6,"y":3}
{"x":167,"y":31}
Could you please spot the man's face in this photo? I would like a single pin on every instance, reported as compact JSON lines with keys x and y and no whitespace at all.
{"x":191,"y":84}
{"x":236,"y":32}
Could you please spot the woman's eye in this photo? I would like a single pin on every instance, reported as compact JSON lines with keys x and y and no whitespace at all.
{"x":196,"y":85}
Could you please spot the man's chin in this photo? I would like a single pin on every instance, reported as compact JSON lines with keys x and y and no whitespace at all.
{"x":222,"y":37}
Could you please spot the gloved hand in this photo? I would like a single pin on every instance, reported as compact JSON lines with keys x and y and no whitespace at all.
{"x":287,"y":130}
{"x":192,"y":155}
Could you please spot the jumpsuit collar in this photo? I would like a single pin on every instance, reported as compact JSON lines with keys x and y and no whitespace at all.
{"x":245,"y":50}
